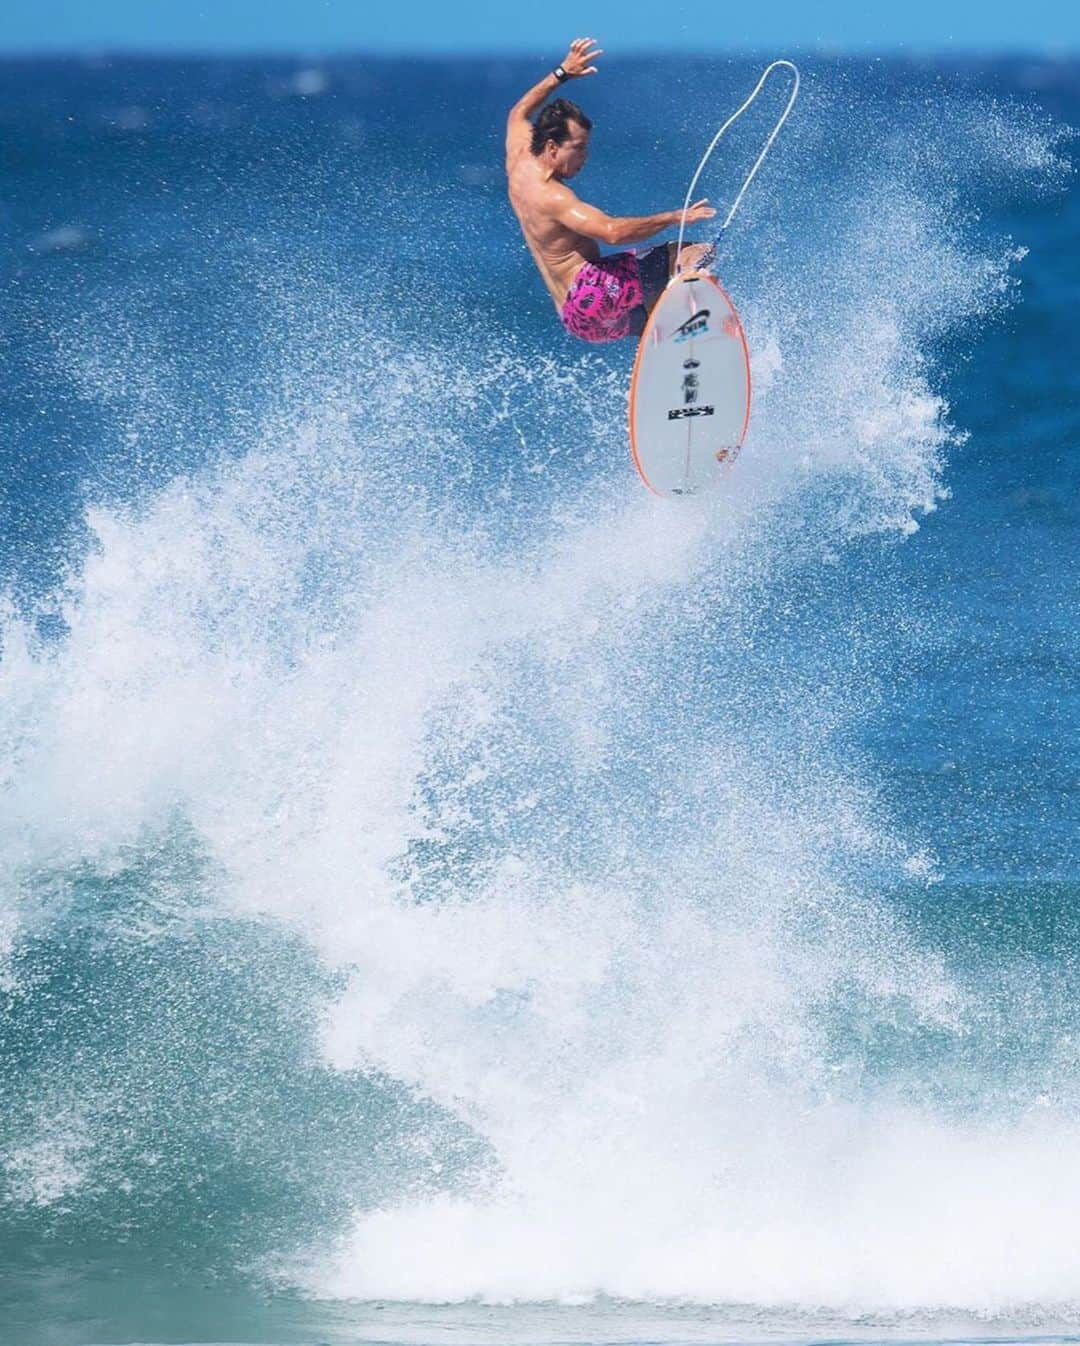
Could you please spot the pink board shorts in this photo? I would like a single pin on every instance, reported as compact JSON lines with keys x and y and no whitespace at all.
{"x":610,"y":298}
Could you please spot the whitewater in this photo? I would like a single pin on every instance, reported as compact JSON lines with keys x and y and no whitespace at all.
{"x":435,"y":873}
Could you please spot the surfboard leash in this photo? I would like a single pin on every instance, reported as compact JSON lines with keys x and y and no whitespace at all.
{"x":775,"y":65}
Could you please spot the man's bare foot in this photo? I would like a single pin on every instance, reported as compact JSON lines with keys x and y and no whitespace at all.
{"x":696,"y":256}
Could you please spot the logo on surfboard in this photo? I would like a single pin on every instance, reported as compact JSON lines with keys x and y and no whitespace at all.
{"x":681,"y":413}
{"x":696,"y":325}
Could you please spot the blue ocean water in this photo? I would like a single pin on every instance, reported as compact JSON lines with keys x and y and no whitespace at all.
{"x":447,"y":894}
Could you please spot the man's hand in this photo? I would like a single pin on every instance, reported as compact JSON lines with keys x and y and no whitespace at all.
{"x":700,"y":210}
{"x":577,"y":60}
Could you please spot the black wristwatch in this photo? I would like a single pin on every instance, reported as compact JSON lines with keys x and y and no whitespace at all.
{"x":560,"y":74}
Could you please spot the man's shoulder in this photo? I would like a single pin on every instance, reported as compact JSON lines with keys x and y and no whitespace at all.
{"x":524,"y":179}
{"x":517,"y":161}
{"x":544,"y":199}
{"x":547,"y":193}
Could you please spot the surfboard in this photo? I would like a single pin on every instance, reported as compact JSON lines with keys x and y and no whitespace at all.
{"x":690,"y":389}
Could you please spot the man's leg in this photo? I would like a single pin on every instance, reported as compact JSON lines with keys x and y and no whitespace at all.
{"x":655,"y":269}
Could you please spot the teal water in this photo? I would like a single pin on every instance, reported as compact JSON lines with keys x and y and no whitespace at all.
{"x":446,"y":894}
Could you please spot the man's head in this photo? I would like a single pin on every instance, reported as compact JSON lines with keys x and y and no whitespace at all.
{"x":560,"y":137}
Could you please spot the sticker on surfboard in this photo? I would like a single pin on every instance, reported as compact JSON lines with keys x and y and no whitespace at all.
{"x":690,"y":389}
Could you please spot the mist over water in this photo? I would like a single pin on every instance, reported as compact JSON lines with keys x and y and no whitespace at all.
{"x":433,"y":870}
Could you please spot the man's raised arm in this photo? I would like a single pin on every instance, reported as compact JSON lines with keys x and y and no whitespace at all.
{"x":576,"y":63}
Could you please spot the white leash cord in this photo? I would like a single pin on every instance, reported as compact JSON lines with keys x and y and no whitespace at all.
{"x":757,"y":163}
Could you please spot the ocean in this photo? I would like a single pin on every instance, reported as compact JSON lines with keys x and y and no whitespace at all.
{"x":448,"y":895}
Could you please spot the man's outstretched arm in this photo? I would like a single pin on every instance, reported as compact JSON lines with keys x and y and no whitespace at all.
{"x":577,"y":62}
{"x":582,"y":218}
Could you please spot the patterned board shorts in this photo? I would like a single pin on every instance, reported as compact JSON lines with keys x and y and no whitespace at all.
{"x":611,"y":298}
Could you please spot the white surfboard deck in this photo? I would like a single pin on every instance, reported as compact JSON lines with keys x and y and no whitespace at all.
{"x":690,"y":389}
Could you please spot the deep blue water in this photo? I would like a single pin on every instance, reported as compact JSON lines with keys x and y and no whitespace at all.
{"x":446,"y":893}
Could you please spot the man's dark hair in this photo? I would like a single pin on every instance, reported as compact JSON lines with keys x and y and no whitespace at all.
{"x":554,"y":121}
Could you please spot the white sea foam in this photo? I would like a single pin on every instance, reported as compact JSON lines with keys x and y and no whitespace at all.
{"x":594,"y":877}
{"x":51,"y":1166}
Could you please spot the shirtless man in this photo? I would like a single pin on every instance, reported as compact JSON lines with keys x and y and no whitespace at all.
{"x":598,"y":298}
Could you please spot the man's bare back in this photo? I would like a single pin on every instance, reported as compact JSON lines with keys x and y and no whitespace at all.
{"x":563,"y":232}
{"x":558,"y":250}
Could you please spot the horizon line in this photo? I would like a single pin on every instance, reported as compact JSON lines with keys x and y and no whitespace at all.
{"x":1049,"y":52}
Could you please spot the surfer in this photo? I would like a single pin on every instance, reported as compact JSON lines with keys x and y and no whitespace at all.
{"x":599,"y":298}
